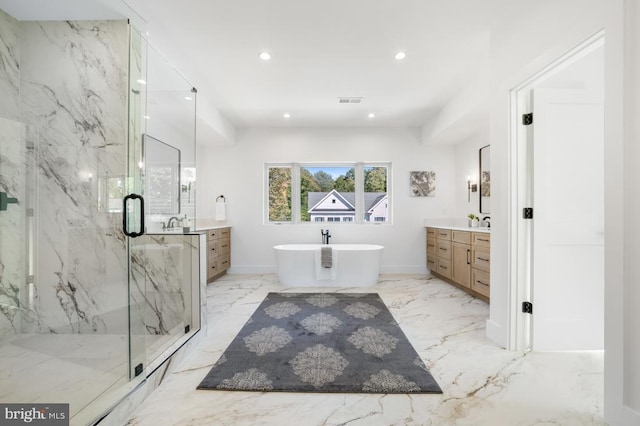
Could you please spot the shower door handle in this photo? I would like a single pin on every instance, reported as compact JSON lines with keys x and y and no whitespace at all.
{"x":5,"y":200}
{"x":125,"y":227}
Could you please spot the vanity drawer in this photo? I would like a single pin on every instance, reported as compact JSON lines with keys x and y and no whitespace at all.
{"x":212,"y":249}
{"x":463,"y":237}
{"x":212,"y":268}
{"x":444,"y":267}
{"x":431,"y":233}
{"x":432,"y":264}
{"x":481,"y":259}
{"x":223,"y":246}
{"x":431,"y":247}
{"x":443,"y":249}
{"x":223,"y":263}
{"x":480,"y":282}
{"x":224,"y":233}
{"x":481,"y":239}
{"x":443,"y":234}
{"x":212,"y":234}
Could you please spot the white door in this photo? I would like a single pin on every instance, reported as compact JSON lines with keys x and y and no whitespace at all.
{"x":568,"y":223}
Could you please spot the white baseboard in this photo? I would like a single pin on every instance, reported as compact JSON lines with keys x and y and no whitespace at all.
{"x":403,"y":269}
{"x":271,"y":269}
{"x":252,"y":269}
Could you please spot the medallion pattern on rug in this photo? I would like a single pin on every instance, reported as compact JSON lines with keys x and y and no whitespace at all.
{"x":321,"y":342}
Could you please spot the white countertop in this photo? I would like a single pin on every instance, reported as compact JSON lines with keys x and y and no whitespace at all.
{"x":461,"y":228}
{"x":180,"y":230}
{"x":206,"y":228}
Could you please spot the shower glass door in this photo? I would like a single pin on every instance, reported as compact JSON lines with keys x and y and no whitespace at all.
{"x":90,"y":302}
{"x":64,"y":306}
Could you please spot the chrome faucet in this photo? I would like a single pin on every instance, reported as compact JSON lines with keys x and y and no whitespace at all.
{"x":325,"y":236}
{"x":487,"y":220}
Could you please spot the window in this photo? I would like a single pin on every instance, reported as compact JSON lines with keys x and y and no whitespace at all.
{"x":279,"y":182}
{"x":304,"y":193}
{"x":375,"y":194}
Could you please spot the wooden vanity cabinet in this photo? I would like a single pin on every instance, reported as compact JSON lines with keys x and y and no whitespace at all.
{"x":461,"y":258}
{"x":218,"y":252}
{"x":432,"y":252}
{"x":443,"y":250}
{"x":481,"y":263}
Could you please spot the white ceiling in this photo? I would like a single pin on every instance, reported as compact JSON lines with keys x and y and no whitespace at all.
{"x":321,"y":50}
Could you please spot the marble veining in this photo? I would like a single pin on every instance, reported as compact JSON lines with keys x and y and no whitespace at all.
{"x":9,"y":67}
{"x":12,"y":180}
{"x":74,"y":92}
{"x":482,"y":384}
{"x":12,"y":245}
{"x":163,"y":281}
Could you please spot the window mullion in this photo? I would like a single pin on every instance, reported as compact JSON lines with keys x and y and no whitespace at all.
{"x":359,"y":184}
{"x":295,"y":192}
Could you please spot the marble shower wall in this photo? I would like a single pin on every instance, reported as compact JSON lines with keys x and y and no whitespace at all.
{"x":64,"y":126}
{"x":163,"y":282}
{"x":10,"y":69}
{"x":12,"y":180}
{"x":74,"y":95}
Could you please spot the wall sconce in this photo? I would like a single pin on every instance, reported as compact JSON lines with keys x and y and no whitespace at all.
{"x":471,"y":187}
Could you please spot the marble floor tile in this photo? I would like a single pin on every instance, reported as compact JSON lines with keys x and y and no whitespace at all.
{"x":63,"y":368}
{"x":482,"y":383}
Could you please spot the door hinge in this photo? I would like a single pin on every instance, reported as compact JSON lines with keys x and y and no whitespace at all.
{"x":527,"y":213}
{"x":527,"y":307}
{"x":138,"y":370}
{"x":527,"y":119}
{"x":187,"y":328}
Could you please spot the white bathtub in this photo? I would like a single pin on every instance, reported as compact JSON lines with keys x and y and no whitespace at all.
{"x":354,"y":265}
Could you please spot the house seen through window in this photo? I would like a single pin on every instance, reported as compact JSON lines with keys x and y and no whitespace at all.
{"x":328,"y":193}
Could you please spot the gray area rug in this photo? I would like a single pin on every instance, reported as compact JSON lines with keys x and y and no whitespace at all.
{"x":321,"y":342}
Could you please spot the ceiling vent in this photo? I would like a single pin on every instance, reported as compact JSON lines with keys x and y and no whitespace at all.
{"x":345,"y":100}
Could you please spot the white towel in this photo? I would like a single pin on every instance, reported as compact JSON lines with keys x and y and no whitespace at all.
{"x":221,"y":211}
{"x":326,"y":273}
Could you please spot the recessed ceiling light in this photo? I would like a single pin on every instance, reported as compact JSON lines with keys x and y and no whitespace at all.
{"x":141,"y":81}
{"x":188,"y":98}
{"x":286,"y":115}
{"x":265,"y":56}
{"x":400,"y":56}
{"x":371,"y":115}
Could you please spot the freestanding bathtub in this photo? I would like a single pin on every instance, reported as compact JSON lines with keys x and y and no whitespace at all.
{"x":354,"y":265}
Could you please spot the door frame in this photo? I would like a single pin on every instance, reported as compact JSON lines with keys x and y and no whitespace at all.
{"x":520,"y":191}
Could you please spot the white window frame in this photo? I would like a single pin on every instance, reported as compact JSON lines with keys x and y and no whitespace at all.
{"x":359,"y":191}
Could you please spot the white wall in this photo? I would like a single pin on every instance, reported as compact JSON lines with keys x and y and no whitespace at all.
{"x":520,"y":47}
{"x":237,"y":172}
{"x":622,"y":161}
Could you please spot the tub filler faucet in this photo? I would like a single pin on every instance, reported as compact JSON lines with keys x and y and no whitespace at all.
{"x":325,"y":236}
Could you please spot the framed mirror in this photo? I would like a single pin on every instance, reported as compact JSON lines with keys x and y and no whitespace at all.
{"x":161,"y":176}
{"x":485,"y":179}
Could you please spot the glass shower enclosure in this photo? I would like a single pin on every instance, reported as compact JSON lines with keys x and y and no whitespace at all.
{"x":90,"y":302}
